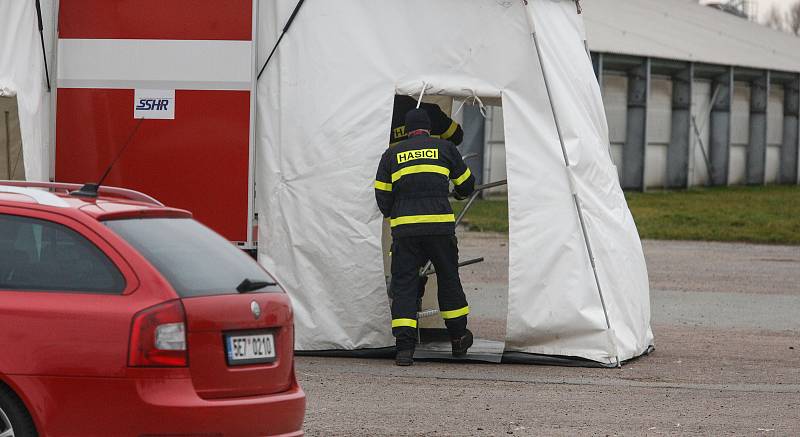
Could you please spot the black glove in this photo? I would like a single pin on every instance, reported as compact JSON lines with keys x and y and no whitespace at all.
{"x":458,"y":196}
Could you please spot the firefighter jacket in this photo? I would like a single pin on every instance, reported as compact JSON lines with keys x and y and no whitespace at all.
{"x":412,"y":185}
{"x":442,"y":126}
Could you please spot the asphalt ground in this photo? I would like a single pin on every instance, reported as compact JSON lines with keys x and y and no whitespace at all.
{"x":727,"y":361}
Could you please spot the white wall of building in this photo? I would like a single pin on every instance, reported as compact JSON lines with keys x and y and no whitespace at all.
{"x":740,"y":133}
{"x":659,"y":124}
{"x":699,"y":147}
{"x":615,"y":100}
{"x":774,"y":133}
{"x":495,"y":153}
{"x":659,"y":119}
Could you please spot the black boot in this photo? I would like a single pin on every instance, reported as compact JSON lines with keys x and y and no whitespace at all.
{"x":461,"y":344}
{"x":404,"y":357}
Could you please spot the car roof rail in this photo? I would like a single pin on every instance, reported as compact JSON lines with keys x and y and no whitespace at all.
{"x":38,"y":196}
{"x":122,"y":193}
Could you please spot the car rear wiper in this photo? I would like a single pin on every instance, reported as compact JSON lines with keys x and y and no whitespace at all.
{"x":248,"y":285}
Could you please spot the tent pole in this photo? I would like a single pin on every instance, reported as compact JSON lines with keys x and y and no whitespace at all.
{"x":573,"y":188}
{"x":280,"y":38}
{"x":41,"y":38}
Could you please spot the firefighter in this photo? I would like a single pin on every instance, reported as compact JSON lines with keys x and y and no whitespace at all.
{"x":412,"y":189}
{"x":442,"y":126}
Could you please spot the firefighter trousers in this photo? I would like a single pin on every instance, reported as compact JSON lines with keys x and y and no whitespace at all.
{"x":408,"y":254}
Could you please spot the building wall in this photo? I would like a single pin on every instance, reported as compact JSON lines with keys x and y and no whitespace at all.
{"x":11,"y":161}
{"x":774,"y":133}
{"x":614,"y":91}
{"x":495,"y":153}
{"x":615,"y":101}
{"x":659,"y":119}
{"x":701,"y":101}
{"x":740,"y":133}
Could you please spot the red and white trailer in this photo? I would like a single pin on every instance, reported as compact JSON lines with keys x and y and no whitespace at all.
{"x":187,"y":67}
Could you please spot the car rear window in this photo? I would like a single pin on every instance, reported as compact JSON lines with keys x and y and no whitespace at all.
{"x":194,"y":259}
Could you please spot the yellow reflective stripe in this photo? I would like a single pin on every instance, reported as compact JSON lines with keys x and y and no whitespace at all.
{"x":450,"y":131}
{"x":383,"y":186}
{"x":461,"y":179}
{"x":397,"y":323}
{"x":412,"y":219}
{"x":455,"y":313}
{"x":422,"y":168}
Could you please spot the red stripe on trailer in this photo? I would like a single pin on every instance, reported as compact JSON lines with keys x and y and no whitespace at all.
{"x":198,"y":161}
{"x":156,"y":19}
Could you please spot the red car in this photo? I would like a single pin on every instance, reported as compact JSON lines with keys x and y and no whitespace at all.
{"x":120,"y":316}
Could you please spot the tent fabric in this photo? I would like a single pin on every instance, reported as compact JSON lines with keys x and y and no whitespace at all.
{"x":22,"y":74}
{"x":612,"y":234}
{"x":324,"y":108}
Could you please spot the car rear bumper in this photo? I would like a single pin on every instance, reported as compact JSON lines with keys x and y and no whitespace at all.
{"x":64,"y":406}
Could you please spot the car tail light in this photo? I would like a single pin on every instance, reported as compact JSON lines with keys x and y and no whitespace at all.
{"x":158,"y":337}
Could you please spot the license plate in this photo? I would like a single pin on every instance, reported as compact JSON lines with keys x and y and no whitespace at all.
{"x":250,"y":348}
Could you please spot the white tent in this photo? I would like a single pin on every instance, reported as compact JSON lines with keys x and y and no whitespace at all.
{"x":578,"y":283}
{"x":22,"y":74}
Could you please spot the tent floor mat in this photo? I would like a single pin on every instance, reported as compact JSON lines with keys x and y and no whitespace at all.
{"x":435,"y":346}
{"x":488,"y":351}
{"x":381,"y":352}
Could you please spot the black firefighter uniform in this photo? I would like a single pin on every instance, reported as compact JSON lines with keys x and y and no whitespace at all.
{"x":411,"y":189}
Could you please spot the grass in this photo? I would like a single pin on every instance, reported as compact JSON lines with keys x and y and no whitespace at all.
{"x":769,"y":214}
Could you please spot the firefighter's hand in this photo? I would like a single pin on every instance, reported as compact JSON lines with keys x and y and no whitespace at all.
{"x":458,"y":196}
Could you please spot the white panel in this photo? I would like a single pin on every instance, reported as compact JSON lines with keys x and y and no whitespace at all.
{"x":659,"y":111}
{"x":497,"y":165}
{"x":701,"y":100}
{"x":773,"y":164}
{"x":775,"y":115}
{"x":659,"y":121}
{"x":655,"y":166}
{"x":156,"y":64}
{"x":615,"y":100}
{"x":496,"y":149}
{"x":496,"y":132}
{"x":737,"y":164}
{"x":774,"y":133}
{"x":616,"y":156}
{"x":740,"y":114}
